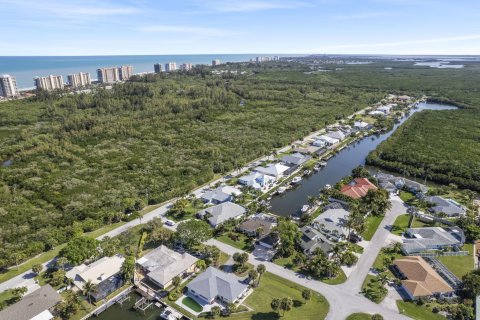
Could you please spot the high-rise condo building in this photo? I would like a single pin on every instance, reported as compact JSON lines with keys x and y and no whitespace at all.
{"x":108,"y":75}
{"x":171,"y":66}
{"x":157,"y":68}
{"x":79,"y":80}
{"x":215,"y":62}
{"x":49,"y":83}
{"x":8,"y":86}
{"x":186,"y":66}
{"x":125,"y":72}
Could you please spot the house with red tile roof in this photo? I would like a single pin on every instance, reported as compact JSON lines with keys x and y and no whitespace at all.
{"x":358,"y":188}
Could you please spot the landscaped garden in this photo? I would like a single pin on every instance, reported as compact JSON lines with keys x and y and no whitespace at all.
{"x":237,"y":240}
{"x":418,"y":312}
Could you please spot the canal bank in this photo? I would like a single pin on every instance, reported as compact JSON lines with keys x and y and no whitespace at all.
{"x":339,"y":166}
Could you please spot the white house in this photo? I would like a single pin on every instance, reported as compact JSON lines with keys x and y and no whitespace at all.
{"x":319,"y":143}
{"x":257,"y":180}
{"x":339,"y":135}
{"x":329,"y":141}
{"x":361,"y":125}
{"x":275,"y":170}
{"x":220,"y":195}
{"x":220,"y":213}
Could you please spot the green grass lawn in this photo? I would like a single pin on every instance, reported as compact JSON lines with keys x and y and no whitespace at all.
{"x":5,"y":296}
{"x":459,"y":265}
{"x":241,"y":242}
{"x":288,"y":263}
{"x":406,"y":196}
{"x":371,"y":226}
{"x":192,"y":304}
{"x":401,"y":224}
{"x":272,"y":286}
{"x":417,"y":312}
{"x":378,"y":263}
{"x":359,"y":316}
{"x":372,"y":288}
{"x":223,"y":258}
{"x":341,"y":278}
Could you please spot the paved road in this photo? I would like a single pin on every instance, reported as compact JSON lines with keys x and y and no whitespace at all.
{"x":344,"y":299}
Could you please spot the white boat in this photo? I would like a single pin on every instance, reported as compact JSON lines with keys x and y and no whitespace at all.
{"x":327,"y":186}
{"x":323,"y":163}
{"x":281,"y":190}
{"x":316,"y":168}
{"x":297,"y":179}
{"x":305,"y":208}
{"x":307,"y":172}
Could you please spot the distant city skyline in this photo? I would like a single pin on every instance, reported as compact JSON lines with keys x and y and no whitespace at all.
{"x":129,"y":27}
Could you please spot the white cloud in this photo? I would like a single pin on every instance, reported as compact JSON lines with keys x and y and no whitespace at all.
{"x":192,"y":30}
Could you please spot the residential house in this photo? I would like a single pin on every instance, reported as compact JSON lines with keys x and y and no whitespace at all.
{"x":215,"y":285}
{"x":276,"y":170}
{"x":313,"y":239}
{"x":432,"y":238}
{"x":386,"y":181}
{"x":319,"y":143}
{"x":220,"y":195}
{"x":256,"y":180}
{"x":333,"y":223}
{"x":329,"y":141}
{"x":312,"y":149}
{"x":376,"y":113}
{"x":339,"y":135}
{"x":358,"y":188}
{"x":270,"y":240}
{"x":361,"y":125}
{"x":38,"y":305}
{"x":163,"y":264}
{"x":449,"y":207}
{"x":220,"y":213}
{"x":262,"y":222}
{"x":386,"y":109}
{"x":420,"y":279}
{"x":296,"y":159}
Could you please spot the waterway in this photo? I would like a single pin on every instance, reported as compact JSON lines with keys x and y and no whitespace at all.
{"x":126,"y":311}
{"x":338,"y":167}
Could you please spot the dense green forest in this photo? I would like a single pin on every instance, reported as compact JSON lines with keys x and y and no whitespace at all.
{"x":83,"y":161}
{"x":79,"y":162}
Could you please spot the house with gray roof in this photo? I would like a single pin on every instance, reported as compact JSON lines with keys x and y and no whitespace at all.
{"x":37,"y":305}
{"x":432,"y":238}
{"x":257,"y":180}
{"x":296,"y":159}
{"x":220,"y":213}
{"x":163,"y":264}
{"x":332,"y":223}
{"x":312,"y":239}
{"x":448,"y":206}
{"x":220,"y":195}
{"x":215,"y":285}
{"x":339,"y":135}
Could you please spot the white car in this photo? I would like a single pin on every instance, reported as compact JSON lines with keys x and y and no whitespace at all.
{"x":169,"y":223}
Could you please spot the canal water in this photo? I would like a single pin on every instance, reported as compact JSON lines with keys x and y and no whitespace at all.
{"x":126,"y":311}
{"x":338,"y":167}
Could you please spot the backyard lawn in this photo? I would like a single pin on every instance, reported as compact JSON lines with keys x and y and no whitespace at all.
{"x":401,"y":224}
{"x":272,"y":286}
{"x":406,"y":196}
{"x":459,"y":265}
{"x":239,"y":241}
{"x":192,"y":304}
{"x":371,"y":226}
{"x":417,"y":312}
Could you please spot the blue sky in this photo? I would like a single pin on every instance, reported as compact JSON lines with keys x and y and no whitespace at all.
{"x":105,"y":27}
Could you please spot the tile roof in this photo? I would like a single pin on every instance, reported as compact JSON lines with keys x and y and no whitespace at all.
{"x":358,"y":188}
{"x":421,"y":279}
{"x":32,"y":304}
{"x":222,"y":212}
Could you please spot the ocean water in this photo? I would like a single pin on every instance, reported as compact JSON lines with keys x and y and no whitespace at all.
{"x":26,"y":68}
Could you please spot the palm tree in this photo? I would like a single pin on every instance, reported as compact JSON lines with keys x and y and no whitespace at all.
{"x":176,"y":281}
{"x":286,"y":304}
{"x":88,"y":288}
{"x":261,"y":270}
{"x":275,"y":304}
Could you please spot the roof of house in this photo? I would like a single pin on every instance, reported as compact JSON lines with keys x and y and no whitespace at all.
{"x":252,"y":225}
{"x":256,"y":180}
{"x":220,"y":194}
{"x":361,"y":124}
{"x":333,"y":220}
{"x":421,"y":278}
{"x":296,"y":158}
{"x":222,"y":212}
{"x":358,"y":188}
{"x":274,"y":169}
{"x":430,"y":237}
{"x":447,"y":206}
{"x":312,"y":239}
{"x":328,"y":139}
{"x":339,"y":135}
{"x":213,"y":282}
{"x":164,"y":264}
{"x":33,"y":304}
{"x":96,"y":272}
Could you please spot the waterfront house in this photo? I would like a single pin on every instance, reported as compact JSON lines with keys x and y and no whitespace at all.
{"x":419,"y":279}
{"x":296,"y":159}
{"x":220,"y":195}
{"x":276,"y":170}
{"x":361,"y":125}
{"x":215,"y":285}
{"x":313,"y":239}
{"x":358,"y":188}
{"x":319,"y":143}
{"x":339,"y":135}
{"x":386,"y":181}
{"x":259,"y":222}
{"x":257,"y":181}
{"x":432,"y":238}
{"x":162,"y":264}
{"x":449,"y":207}
{"x":38,"y":305}
{"x":220,"y":213}
{"x":332,"y":223}
{"x":329,"y":141}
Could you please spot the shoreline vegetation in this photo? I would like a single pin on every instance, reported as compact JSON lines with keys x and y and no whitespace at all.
{"x":80,"y":162}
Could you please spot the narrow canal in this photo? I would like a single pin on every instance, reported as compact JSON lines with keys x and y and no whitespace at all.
{"x":338,"y":166}
{"x":126,"y":311}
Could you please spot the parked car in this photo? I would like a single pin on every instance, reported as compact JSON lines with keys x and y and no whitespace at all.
{"x":354,"y":238}
{"x":169,"y":223}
